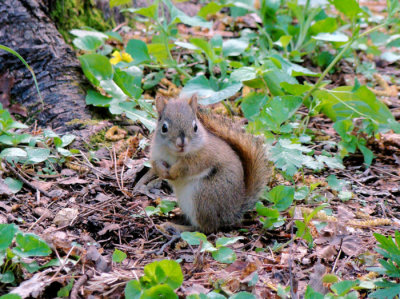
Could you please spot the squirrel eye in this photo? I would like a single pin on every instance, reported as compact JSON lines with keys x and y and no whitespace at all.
{"x":194,"y":126}
{"x":164,"y":128}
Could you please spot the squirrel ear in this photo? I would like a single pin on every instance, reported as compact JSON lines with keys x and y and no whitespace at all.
{"x":193,"y":102}
{"x":160,"y":104}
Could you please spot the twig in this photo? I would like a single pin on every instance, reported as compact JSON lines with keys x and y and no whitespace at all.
{"x":337,"y":257}
{"x":25,"y":181}
{"x":79,"y":283}
{"x":292,"y":293}
{"x":161,"y":250}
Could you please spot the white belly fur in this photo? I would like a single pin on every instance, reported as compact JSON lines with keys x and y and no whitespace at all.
{"x":184,"y":190}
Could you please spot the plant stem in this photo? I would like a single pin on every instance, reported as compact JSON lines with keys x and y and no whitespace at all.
{"x":338,"y":57}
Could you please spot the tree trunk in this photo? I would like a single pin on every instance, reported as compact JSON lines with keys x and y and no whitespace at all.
{"x":26,"y":28}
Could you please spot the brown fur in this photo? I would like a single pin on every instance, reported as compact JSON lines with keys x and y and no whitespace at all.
{"x":221,"y":173}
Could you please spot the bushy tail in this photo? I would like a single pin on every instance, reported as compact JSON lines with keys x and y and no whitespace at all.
{"x":250,"y":149}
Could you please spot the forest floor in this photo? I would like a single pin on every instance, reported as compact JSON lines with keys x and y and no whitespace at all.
{"x":88,"y":213}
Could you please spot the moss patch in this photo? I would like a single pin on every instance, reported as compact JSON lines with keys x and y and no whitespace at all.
{"x":75,"y":14}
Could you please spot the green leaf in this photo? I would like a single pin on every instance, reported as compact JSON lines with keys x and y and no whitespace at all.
{"x":328,"y":25}
{"x":149,"y":11}
{"x":330,"y":278}
{"x":389,"y":291}
{"x":96,"y":68}
{"x":332,"y":37}
{"x":243,"y":295}
{"x":167,"y":206}
{"x":282,"y":197}
{"x":133,"y":290}
{"x":30,"y":245}
{"x":210,"y":9}
{"x":129,"y":84}
{"x":311,"y":294}
{"x":138,"y":115}
{"x":224,"y":241}
{"x":88,"y":43}
{"x":267,"y":212}
{"x":14,"y":185}
{"x":279,"y":109}
{"x":179,"y":16}
{"x":83,"y":33}
{"x":342,"y":287}
{"x":138,"y":50}
{"x":118,"y":256}
{"x":234,"y":47}
{"x":37,"y":155}
{"x":10,"y":296}
{"x":13,"y":153}
{"x":348,"y":7}
{"x":274,"y":78}
{"x":118,"y":2}
{"x":207,"y":90}
{"x":205,"y":47}
{"x":224,"y":255}
{"x":345,"y":195}
{"x":295,"y":89}
{"x":161,"y":291}
{"x":244,"y":74}
{"x":252,"y":103}
{"x":7,"y":277}
{"x":172,"y":273}
{"x":152,"y":79}
{"x":390,"y":57}
{"x":194,"y":238}
{"x":96,"y":99}
{"x":64,"y":291}
{"x":335,"y":183}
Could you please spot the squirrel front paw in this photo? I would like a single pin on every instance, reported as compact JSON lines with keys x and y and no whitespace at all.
{"x":162,"y":169}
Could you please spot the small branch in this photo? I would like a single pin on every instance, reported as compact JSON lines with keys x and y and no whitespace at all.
{"x":79,"y":283}
{"x":25,"y":181}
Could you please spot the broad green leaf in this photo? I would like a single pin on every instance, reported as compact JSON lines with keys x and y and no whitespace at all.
{"x":332,"y":37}
{"x":274,"y":78}
{"x":138,"y":115}
{"x":349,"y":7}
{"x":207,"y":90}
{"x":159,"y":51}
{"x":205,"y":47}
{"x":284,"y":40}
{"x":330,"y":278}
{"x":387,"y":293}
{"x":14,"y":185}
{"x":311,"y":294}
{"x":114,"y":35}
{"x":243,"y":295}
{"x":133,"y":290}
{"x":331,"y":162}
{"x":118,"y":256}
{"x":342,"y":287}
{"x":281,"y":196}
{"x":167,"y":206}
{"x":279,"y":109}
{"x":161,"y":291}
{"x":129,"y":84}
{"x":11,"y":296}
{"x":149,"y":11}
{"x":224,"y":255}
{"x":328,"y":25}
{"x":7,"y":232}
{"x":96,"y":68}
{"x":178,"y":16}
{"x":335,"y":183}
{"x":252,"y":103}
{"x":13,"y":153}
{"x":113,"y":89}
{"x":390,"y":57}
{"x":138,"y":50}
{"x":7,"y":277}
{"x":243,"y":74}
{"x":64,"y":291}
{"x":265,"y":211}
{"x":194,"y":238}
{"x":172,"y":273}
{"x":31,"y":245}
{"x":295,"y":89}
{"x":345,"y":195}
{"x":83,"y":33}
{"x":224,"y":241}
{"x":118,"y":2}
{"x":210,"y":9}
{"x":152,"y":79}
{"x":88,"y":43}
{"x":234,"y":47}
{"x":37,"y":155}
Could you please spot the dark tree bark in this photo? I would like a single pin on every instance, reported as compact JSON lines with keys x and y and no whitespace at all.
{"x":26,"y":28}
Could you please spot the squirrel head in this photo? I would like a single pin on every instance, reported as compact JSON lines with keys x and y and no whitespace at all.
{"x":178,"y":128}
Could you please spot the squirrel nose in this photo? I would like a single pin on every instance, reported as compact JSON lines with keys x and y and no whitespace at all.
{"x":181,"y":142}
